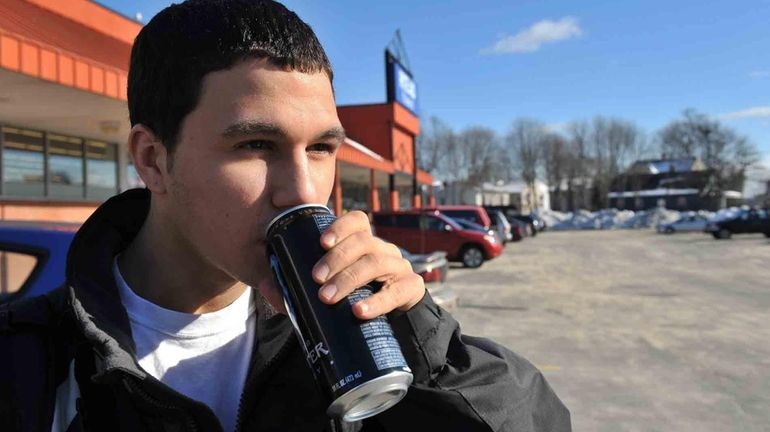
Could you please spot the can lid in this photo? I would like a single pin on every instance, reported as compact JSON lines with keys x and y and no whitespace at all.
{"x":371,"y":397}
{"x":291,"y":209}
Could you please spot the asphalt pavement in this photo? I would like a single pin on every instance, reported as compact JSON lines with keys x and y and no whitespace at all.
{"x":634,"y":330}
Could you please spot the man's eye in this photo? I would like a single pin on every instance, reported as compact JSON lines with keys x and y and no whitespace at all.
{"x":322,"y":148}
{"x":255,"y":145}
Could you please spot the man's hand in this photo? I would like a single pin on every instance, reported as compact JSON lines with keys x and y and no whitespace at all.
{"x":355,"y":257}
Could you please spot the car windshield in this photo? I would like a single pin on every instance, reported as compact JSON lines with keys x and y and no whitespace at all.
{"x":469,"y":225}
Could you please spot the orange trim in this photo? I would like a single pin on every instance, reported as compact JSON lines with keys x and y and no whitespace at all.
{"x":424,"y":177}
{"x":402,"y":117}
{"x":51,"y":64}
{"x":348,"y":154}
{"x":56,"y":212}
{"x":394,"y":200}
{"x":93,"y":16}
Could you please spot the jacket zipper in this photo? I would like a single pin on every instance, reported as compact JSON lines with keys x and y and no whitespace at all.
{"x":256,"y":378}
{"x":188,"y":420}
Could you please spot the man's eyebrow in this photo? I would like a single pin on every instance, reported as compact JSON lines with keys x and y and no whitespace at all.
{"x":243,"y":128}
{"x":253,"y":128}
{"x":336,"y":133}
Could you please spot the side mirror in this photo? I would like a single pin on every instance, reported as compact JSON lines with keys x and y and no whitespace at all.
{"x":448,"y":228}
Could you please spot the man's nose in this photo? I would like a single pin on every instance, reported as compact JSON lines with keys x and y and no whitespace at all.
{"x":293,"y":183}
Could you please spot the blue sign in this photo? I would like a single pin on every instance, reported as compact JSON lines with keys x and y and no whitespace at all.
{"x":406,"y":88}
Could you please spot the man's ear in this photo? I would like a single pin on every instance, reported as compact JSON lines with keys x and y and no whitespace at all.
{"x":149,"y":156}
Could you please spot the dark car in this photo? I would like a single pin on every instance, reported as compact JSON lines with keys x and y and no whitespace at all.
{"x":534,"y":223}
{"x":419,"y":231}
{"x":747,"y":221}
{"x":433,"y":268}
{"x":33,"y":257}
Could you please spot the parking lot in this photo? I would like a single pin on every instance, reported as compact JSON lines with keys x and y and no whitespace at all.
{"x":635,"y":331}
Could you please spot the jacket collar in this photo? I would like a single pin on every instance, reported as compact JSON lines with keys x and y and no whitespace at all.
{"x":94,"y":296}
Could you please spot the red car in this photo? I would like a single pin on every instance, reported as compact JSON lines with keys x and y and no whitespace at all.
{"x":421,"y":232}
{"x":470,"y":213}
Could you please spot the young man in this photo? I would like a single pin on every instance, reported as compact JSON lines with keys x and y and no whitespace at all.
{"x":170,"y":320}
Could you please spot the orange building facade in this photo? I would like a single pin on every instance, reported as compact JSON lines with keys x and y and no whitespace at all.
{"x":64,"y":120}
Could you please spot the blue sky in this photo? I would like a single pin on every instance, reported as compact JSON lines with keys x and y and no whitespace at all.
{"x":486,"y":62}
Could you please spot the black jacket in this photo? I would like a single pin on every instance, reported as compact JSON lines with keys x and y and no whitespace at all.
{"x":74,"y":348}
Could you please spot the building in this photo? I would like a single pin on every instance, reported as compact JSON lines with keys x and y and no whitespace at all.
{"x":524,"y":197}
{"x":64,"y":120}
{"x":677,"y":184}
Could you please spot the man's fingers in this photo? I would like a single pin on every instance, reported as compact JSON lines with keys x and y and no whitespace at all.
{"x":346,"y":225}
{"x":361,"y":272}
{"x":391,"y":296}
{"x":350,"y":250}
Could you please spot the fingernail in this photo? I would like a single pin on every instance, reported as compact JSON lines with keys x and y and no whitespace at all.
{"x":363,"y":307}
{"x":321,"y":272}
{"x":328,"y":292}
{"x":330,"y":238}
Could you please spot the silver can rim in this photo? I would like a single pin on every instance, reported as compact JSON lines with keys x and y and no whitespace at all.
{"x":397,"y":380}
{"x":292,"y":209}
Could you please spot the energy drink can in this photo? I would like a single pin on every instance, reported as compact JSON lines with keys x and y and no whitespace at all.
{"x":358,"y":364}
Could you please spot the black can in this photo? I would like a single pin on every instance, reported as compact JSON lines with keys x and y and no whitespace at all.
{"x":358,"y":364}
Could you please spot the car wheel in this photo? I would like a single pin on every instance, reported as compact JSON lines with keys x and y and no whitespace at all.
{"x":669,"y":230}
{"x":724,"y":233}
{"x":715,"y":235}
{"x":767,"y":234}
{"x":532,"y":230}
{"x":472,"y":256}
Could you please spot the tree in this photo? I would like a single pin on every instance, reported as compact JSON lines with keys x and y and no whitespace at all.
{"x":555,"y":161}
{"x":719,"y":147}
{"x":482,"y":153}
{"x":577,"y":163}
{"x":523,"y":142}
{"x":615,"y":144}
{"x":434,"y":145}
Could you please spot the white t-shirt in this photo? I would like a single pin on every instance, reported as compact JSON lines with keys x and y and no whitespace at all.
{"x":205,"y":357}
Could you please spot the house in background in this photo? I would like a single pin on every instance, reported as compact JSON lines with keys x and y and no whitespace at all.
{"x":678,"y":184}
{"x":517,"y":194}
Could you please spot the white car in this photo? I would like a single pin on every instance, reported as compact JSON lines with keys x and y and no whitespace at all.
{"x":688,"y":223}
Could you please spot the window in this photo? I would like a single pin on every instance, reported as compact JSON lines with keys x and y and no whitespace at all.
{"x":65,"y":166}
{"x":407,"y":221}
{"x":15,"y":269}
{"x":23,"y":162}
{"x":101,"y":163}
{"x":681,"y":202}
{"x":433,"y":223}
{"x":383,"y":220}
{"x":469,"y":215}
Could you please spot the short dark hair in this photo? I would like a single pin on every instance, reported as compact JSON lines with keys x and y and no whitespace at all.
{"x":184,"y":42}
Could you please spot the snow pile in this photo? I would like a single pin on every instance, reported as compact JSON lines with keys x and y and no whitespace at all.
{"x":651,"y":218}
{"x":623,"y":219}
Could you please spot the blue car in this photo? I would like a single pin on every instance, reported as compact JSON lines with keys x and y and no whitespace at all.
{"x":33,"y":257}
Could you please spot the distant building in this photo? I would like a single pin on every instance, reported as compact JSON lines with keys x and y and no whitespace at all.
{"x":573,"y":195}
{"x":517,"y":194}
{"x":678,"y":184}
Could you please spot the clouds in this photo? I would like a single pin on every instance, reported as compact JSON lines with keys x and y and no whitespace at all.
{"x":535,"y":36}
{"x":759,"y":74}
{"x":759,"y":112}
